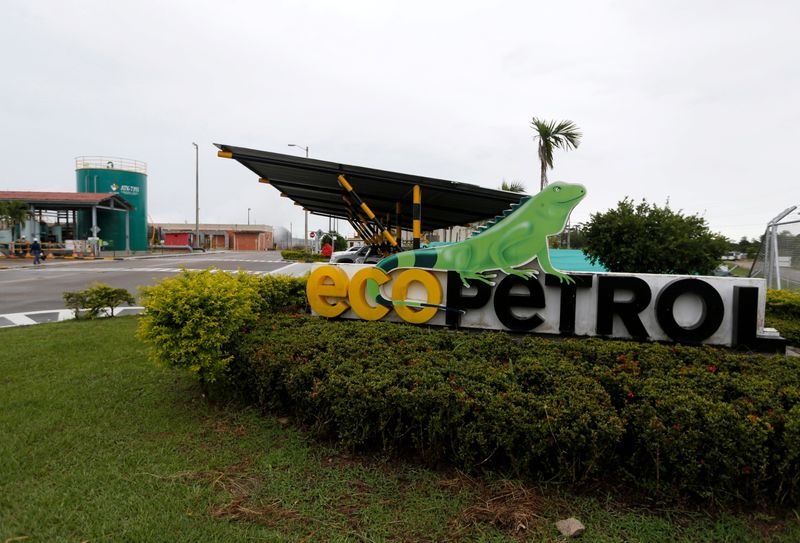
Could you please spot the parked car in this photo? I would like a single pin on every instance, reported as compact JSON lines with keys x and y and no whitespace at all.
{"x":733,"y":255}
{"x":349,"y":256}
{"x":347,"y":253}
{"x":371,"y":256}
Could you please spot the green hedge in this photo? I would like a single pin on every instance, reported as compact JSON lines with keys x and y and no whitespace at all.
{"x":197,"y":320}
{"x":672,"y":420}
{"x":669,"y":419}
{"x":783,"y":313}
{"x":303,"y":256}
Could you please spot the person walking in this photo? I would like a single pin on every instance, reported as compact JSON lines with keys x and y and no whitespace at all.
{"x":36,"y":251}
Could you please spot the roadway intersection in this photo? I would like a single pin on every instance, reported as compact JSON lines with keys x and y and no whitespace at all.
{"x":28,"y":289}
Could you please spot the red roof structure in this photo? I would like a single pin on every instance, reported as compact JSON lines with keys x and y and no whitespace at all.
{"x":67,"y":200}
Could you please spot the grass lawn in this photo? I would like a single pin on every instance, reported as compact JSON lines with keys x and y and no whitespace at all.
{"x":97,"y":444}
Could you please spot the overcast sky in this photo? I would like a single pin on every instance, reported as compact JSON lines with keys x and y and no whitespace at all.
{"x":696,"y":101}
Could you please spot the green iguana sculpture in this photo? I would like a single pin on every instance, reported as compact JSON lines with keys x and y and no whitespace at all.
{"x":509,"y":241}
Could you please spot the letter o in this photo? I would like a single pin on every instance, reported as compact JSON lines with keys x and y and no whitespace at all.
{"x":710,"y":319}
{"x":400,"y":293}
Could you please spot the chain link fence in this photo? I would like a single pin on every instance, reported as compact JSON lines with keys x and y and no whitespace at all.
{"x":778,"y":259}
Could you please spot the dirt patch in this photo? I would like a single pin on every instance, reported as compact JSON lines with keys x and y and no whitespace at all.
{"x":241,"y":508}
{"x":343,"y":461}
{"x":506,"y":505}
{"x":241,"y":485}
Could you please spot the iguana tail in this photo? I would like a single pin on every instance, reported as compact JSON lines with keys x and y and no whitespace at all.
{"x":421,"y":258}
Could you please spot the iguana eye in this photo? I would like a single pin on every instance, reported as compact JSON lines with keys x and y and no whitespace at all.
{"x":557,"y":189}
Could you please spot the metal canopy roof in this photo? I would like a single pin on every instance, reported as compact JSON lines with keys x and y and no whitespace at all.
{"x":67,"y":200}
{"x":313,"y":184}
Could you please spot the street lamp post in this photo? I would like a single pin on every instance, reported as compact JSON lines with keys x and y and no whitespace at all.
{"x":196,"y":195}
{"x":248,"y":216}
{"x":305,"y":236}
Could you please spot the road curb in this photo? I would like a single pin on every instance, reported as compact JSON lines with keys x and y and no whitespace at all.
{"x":61,"y":315}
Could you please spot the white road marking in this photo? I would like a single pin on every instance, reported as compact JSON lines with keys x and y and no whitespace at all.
{"x":23,"y":319}
{"x":19,"y":319}
{"x":295,"y":265}
{"x":295,"y":268}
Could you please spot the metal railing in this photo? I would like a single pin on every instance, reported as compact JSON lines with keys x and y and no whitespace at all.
{"x":110,"y":163}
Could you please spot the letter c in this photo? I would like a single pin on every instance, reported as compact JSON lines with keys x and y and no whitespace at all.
{"x":356,"y":294}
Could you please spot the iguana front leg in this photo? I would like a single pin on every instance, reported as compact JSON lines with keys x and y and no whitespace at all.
{"x":547,"y":266}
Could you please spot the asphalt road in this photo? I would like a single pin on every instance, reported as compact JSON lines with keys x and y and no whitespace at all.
{"x":24,"y":288}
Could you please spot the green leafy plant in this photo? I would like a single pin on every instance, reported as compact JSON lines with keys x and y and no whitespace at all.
{"x":75,"y":301}
{"x":553,"y":135}
{"x":645,"y":238}
{"x":99,"y":298}
{"x":335,"y":240}
{"x":783,"y":313}
{"x":13,"y":212}
{"x":303,"y":256}
{"x":671,"y":420}
{"x":197,"y":319}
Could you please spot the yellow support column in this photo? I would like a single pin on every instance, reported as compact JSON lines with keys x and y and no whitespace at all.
{"x":417,"y":215}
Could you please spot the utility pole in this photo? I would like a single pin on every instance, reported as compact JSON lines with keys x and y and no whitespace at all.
{"x":305,"y":236}
{"x":196,"y":196}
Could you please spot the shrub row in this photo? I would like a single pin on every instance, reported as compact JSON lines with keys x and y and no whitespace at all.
{"x":196,"y":320}
{"x":670,"y":419}
{"x":303,"y":256}
{"x":783,"y":313}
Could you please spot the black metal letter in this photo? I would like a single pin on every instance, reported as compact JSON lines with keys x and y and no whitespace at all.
{"x":504,"y":301}
{"x":569,"y":295}
{"x":745,"y":315}
{"x":710,"y":318}
{"x":628,"y":311}
{"x":457,"y":300}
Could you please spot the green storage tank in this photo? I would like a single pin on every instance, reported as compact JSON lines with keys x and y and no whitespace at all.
{"x":126,"y":177}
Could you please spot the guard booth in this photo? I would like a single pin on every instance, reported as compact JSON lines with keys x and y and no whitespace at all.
{"x":55,"y":218}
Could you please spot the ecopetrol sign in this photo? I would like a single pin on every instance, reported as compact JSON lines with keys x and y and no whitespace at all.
{"x":687,"y":309}
{"x":487,"y":282}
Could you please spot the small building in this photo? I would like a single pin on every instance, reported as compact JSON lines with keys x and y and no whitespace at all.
{"x":65,"y":220}
{"x":237,"y":237}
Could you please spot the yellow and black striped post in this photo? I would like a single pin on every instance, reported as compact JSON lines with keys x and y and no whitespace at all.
{"x":365,"y":208}
{"x":362,"y":225}
{"x":399,"y":229}
{"x":417,"y":216}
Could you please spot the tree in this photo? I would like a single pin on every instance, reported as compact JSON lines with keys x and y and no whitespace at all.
{"x":336,"y":240}
{"x":645,"y":238}
{"x":513,"y":186}
{"x":13,"y":212}
{"x":551,"y":135}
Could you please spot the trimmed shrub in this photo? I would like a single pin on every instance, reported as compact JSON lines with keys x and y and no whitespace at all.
{"x":783,"y":313}
{"x":303,"y":256}
{"x":99,"y":297}
{"x":281,"y":293}
{"x":671,"y":420}
{"x":196,"y":320}
{"x":783,"y":303}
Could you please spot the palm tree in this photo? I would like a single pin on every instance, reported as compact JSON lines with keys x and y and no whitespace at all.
{"x":13,"y":212}
{"x":513,"y":186}
{"x":552,"y":135}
